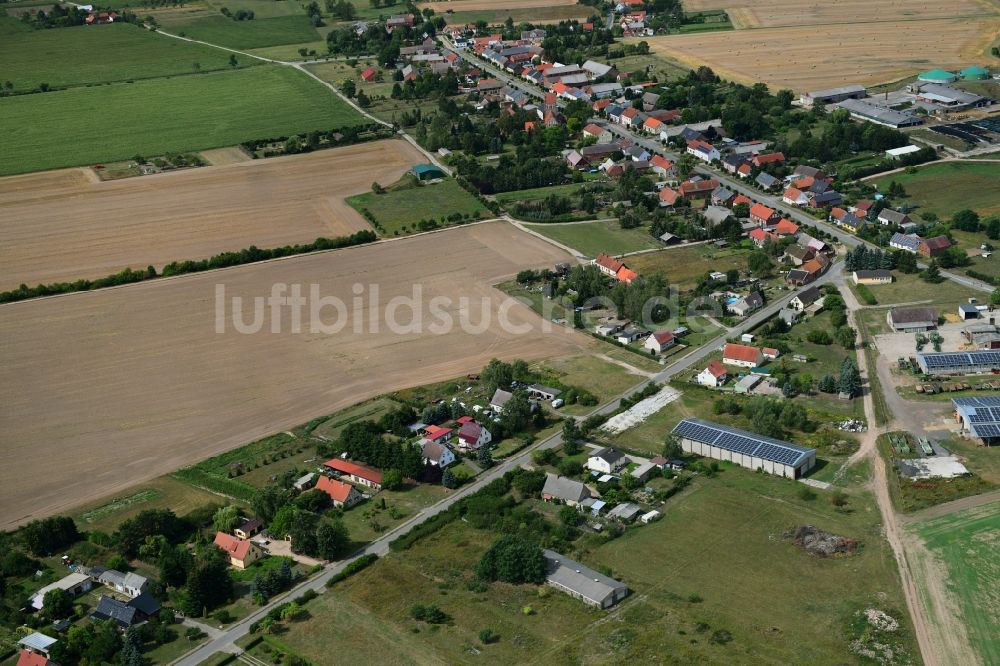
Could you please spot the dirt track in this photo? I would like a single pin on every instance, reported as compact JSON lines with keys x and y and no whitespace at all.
{"x":105,"y":389}
{"x":61,"y":225}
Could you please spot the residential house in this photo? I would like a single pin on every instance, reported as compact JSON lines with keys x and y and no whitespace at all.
{"x":744,"y":171}
{"x":248,"y":528}
{"x":630,"y":334}
{"x":562,"y":489}
{"x":795,"y":197}
{"x":742,"y":199}
{"x":669,"y":197}
{"x":798,"y":255}
{"x":575,"y":160}
{"x":861,"y":208}
{"x":890,"y":216}
{"x":341,"y":494}
{"x":704,"y":151}
{"x":714,"y":375}
{"x":241,"y":552}
{"x":433,"y":433}
{"x":437,"y":454}
{"x":472,"y":436}
{"x":766,"y":180}
{"x":358,"y":473}
{"x":763,"y":215}
{"x":879,"y":276}
{"x":743,"y":356}
{"x":305,"y":482}
{"x":637,"y":153}
{"x":770,"y":158}
{"x":28,"y":658}
{"x":500,"y":399}
{"x":368,"y":75}
{"x":126,"y":614}
{"x":825,"y":199}
{"x":649,"y":101}
{"x":770,"y":353}
{"x":601,"y":134}
{"x":808,"y":272}
{"x":932,"y":247}
{"x":660,"y":341}
{"x":806,"y":298}
{"x":130,"y":584}
{"x":607,"y":264}
{"x":698,"y":188}
{"x":733,"y":162}
{"x":716,"y":214}
{"x":661,"y":166}
{"x":803,"y":171}
{"x":630,"y":117}
{"x":761,"y":236}
{"x":906,"y":242}
{"x":748,"y":304}
{"x":853,"y":223}
{"x":607,"y":460}
{"x":722,"y":196}
{"x":786,"y":227}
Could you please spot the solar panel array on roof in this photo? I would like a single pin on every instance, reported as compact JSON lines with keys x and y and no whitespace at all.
{"x":981,"y":414}
{"x":742,"y":442}
{"x":981,"y":358}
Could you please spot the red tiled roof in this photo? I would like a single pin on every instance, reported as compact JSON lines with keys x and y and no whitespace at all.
{"x":937,"y":243}
{"x":231,"y":546}
{"x":470,"y":432}
{"x":462,"y":420}
{"x":337,"y":490}
{"x":744,"y":168}
{"x":761,"y":211}
{"x":355,"y":469}
{"x":716,"y":369}
{"x":608,"y":262}
{"x":626,"y":274}
{"x":669,"y":196}
{"x":837,"y":213}
{"x":434,"y":432}
{"x":804,"y":183}
{"x":742,"y":198}
{"x":663,"y":337}
{"x":29,"y":658}
{"x":601,"y":104}
{"x":593,"y":130}
{"x":761,"y":235}
{"x":653,"y":123}
{"x":786,"y":227}
{"x":743,"y":353}
{"x":662,"y":162}
{"x":630,"y":112}
{"x":792,"y":193}
{"x":770,"y":158}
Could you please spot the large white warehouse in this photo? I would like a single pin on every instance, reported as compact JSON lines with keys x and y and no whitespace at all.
{"x":744,"y":448}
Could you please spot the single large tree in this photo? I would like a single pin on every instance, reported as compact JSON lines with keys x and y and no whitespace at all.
{"x":513,"y":559}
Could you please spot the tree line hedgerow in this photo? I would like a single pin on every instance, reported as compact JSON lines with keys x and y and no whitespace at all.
{"x":248,"y":255}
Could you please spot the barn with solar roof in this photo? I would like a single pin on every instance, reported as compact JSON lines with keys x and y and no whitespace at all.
{"x":980,"y":362}
{"x":980,"y":417}
{"x":744,"y":448}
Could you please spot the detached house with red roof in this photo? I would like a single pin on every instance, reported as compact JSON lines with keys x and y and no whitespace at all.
{"x":661,"y":166}
{"x":630,"y":117}
{"x":368,"y":74}
{"x":473,"y":436}
{"x":703,"y":150}
{"x":597,"y":132}
{"x":341,"y":494}
{"x":786,"y":227}
{"x":932,"y":247}
{"x":607,"y":264}
{"x":795,"y":197}
{"x":763,"y":215}
{"x":241,"y":552}
{"x":714,"y":375}
{"x":769,"y":158}
{"x":355,"y":472}
{"x":433,"y":433}
{"x":698,"y":188}
{"x":743,"y":356}
{"x":660,"y":341}
{"x":669,"y":197}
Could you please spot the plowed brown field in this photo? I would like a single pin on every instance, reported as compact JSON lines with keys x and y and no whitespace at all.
{"x":106,"y":389}
{"x":63,"y":225}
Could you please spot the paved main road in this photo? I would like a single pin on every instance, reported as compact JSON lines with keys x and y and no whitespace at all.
{"x":224,"y":640}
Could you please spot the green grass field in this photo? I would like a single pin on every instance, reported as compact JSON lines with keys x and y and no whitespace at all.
{"x":99,"y":54}
{"x":399,"y":209}
{"x":261,"y":32}
{"x":529,"y":15}
{"x":945,"y":188}
{"x":592,"y":238}
{"x":56,"y":129}
{"x":683,"y":265}
{"x":759,"y":613}
{"x":966,"y":543}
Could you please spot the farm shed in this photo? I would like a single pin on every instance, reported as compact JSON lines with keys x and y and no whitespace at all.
{"x":907,"y":320}
{"x":745,"y":448}
{"x":979,"y":362}
{"x":980,"y":417}
{"x":583,"y":582}
{"x":74,"y":584}
{"x":832,"y":95}
{"x":427,"y":171}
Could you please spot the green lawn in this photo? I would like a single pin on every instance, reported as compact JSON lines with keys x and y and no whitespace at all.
{"x":399,"y":209}
{"x":98,"y":54}
{"x":368,"y":520}
{"x":660,"y":66}
{"x":538,"y":193}
{"x":261,"y":32}
{"x":684,"y":265}
{"x":966,"y":544}
{"x":734,"y":522}
{"x":949,"y":187}
{"x":56,"y":129}
{"x":587,"y":371}
{"x":592,"y":238}
{"x":528,"y":15}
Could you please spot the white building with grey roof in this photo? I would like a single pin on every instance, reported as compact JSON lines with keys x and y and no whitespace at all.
{"x":583,"y":582}
{"x":565,"y":490}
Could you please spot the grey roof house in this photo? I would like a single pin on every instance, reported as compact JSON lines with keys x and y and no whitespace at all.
{"x":583,"y":582}
{"x":563,"y":489}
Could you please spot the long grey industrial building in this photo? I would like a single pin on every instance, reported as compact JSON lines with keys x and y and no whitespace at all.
{"x":744,"y":448}
{"x":979,"y":362}
{"x":583,"y":582}
{"x":879,"y":115}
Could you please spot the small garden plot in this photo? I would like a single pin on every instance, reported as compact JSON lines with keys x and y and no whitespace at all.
{"x":640,"y":411}
{"x":409,"y":206}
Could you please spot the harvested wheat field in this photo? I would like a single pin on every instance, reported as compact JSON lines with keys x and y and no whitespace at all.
{"x":105,"y":389}
{"x":823,"y":56}
{"x":774,"y":13}
{"x":65,"y":225}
